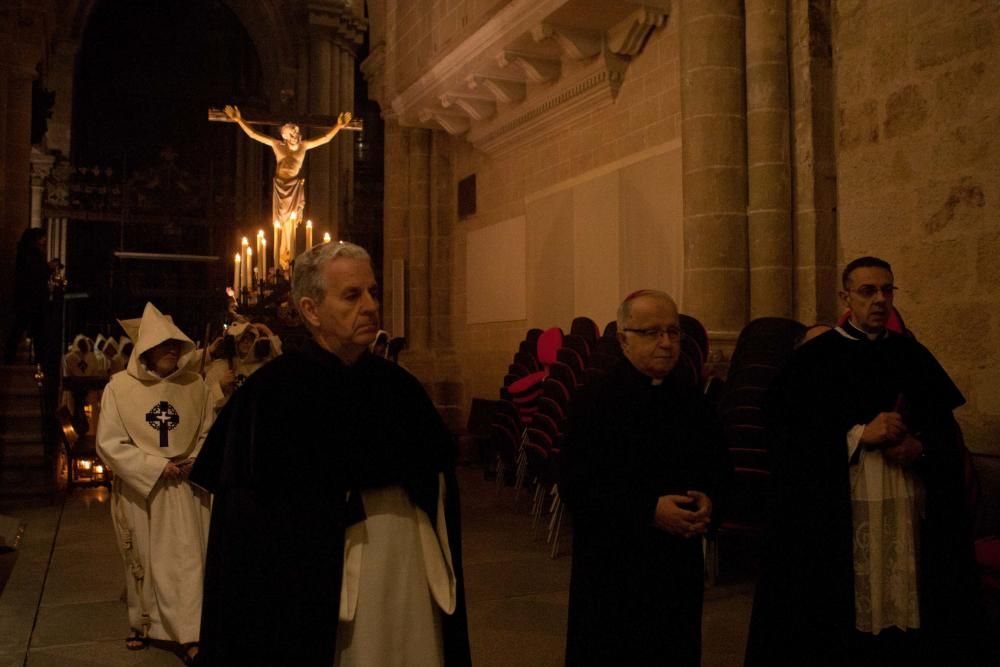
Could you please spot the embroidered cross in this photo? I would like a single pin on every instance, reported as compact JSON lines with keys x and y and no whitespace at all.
{"x":163,"y":417}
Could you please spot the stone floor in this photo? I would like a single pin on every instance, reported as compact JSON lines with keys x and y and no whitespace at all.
{"x":62,"y":604}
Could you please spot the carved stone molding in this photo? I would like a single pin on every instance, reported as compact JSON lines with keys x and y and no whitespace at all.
{"x":629,"y":37}
{"x":533,"y":65}
{"x":592,"y":89}
{"x":339,"y":18}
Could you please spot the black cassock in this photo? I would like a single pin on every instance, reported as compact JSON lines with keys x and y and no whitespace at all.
{"x":636,"y":592}
{"x":804,"y":605}
{"x":281,"y":458}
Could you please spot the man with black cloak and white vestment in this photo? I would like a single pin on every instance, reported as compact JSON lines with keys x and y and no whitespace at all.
{"x":644,"y":463}
{"x":335,"y":533}
{"x":869,"y":559}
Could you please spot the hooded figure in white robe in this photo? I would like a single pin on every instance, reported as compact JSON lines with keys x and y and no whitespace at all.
{"x":81,"y":361}
{"x":150,"y":427}
{"x":253,"y":348}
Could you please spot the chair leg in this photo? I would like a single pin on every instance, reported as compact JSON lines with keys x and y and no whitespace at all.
{"x":536,"y":507}
{"x":522,"y":473}
{"x":554,"y":512}
{"x":555,"y":541}
{"x":501,"y":474}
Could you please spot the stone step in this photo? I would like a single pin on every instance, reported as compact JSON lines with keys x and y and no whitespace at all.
{"x":19,"y":399}
{"x":24,"y":452}
{"x":21,"y":421}
{"x":18,"y":379}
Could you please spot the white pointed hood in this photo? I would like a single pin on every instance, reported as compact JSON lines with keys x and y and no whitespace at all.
{"x":155,"y":328}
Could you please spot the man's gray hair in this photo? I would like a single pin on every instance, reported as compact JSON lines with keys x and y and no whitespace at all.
{"x":308,"y":279}
{"x":625,"y":309}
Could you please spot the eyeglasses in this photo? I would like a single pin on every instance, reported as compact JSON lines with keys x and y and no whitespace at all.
{"x":673,"y":333}
{"x":868,"y":291}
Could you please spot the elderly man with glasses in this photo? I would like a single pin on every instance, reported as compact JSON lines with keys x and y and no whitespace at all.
{"x":870,"y":561}
{"x":644,"y":472}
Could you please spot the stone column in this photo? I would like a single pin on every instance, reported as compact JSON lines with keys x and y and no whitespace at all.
{"x":15,"y":195}
{"x":714,"y":165}
{"x":345,"y":142}
{"x":317,"y":172}
{"x":768,"y":174}
{"x":394,"y":221}
{"x":418,"y":225}
{"x":442,"y":215}
{"x":41,"y":165}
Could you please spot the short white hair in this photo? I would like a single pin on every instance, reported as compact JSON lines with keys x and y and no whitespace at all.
{"x":307,"y":277}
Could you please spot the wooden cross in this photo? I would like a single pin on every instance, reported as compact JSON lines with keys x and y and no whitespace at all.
{"x":257,"y":117}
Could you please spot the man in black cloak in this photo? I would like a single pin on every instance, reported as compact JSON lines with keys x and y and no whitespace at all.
{"x":645,"y":460}
{"x":869,"y":561}
{"x":326,"y":459}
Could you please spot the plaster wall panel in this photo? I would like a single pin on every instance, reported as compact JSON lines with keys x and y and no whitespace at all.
{"x":550,"y":260}
{"x":597,"y":261}
{"x":495,"y":273}
{"x":652,"y":226}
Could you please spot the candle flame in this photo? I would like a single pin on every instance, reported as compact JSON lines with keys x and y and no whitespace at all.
{"x":326,"y":237}
{"x":294,"y":216}
{"x":309,"y":224}
{"x":277,"y":224}
{"x":237,"y":257}
{"x":245,"y":241}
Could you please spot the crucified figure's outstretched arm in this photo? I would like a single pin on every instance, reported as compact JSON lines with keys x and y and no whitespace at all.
{"x":234,"y":113}
{"x":342,"y":120}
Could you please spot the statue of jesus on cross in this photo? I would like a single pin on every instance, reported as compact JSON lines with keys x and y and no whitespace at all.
{"x":289,"y":190}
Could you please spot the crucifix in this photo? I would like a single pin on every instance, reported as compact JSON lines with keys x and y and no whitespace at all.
{"x":163,"y":417}
{"x":288,"y":198}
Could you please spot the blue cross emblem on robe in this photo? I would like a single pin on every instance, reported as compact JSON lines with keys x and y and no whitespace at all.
{"x":163,"y":417}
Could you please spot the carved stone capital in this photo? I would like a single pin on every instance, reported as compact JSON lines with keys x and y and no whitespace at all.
{"x":337,"y":20}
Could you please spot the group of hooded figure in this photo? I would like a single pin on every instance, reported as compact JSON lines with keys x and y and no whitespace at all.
{"x":100,"y":357}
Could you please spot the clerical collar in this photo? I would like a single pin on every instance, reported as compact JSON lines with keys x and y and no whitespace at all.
{"x":851,"y":331}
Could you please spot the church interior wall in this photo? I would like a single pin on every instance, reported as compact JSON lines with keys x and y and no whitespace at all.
{"x":602,"y":206}
{"x":918,"y":172}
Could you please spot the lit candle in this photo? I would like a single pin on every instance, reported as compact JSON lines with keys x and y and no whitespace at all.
{"x":86,"y":464}
{"x":326,"y":237}
{"x":291,"y":245}
{"x":263,"y":260}
{"x":99,"y":469}
{"x":236,"y":274}
{"x":248,"y":270}
{"x":277,"y":245}
{"x":309,"y":234}
{"x":260,"y":237}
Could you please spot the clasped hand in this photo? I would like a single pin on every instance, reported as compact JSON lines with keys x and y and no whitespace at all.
{"x":178,"y":470}
{"x":674,"y":517}
{"x":888,"y":432}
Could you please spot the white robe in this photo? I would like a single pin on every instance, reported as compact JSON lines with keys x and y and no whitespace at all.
{"x":161,"y":526}
{"x":398,"y":580}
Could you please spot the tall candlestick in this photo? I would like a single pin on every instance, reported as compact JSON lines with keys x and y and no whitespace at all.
{"x":277,"y":244}
{"x":294,"y":217}
{"x":248,"y":269}
{"x":263,"y":260}
{"x":309,"y":234}
{"x":236,"y":274}
{"x":260,"y":237}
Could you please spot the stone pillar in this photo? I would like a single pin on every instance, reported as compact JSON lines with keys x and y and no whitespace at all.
{"x":418,"y":226}
{"x":394,"y":233}
{"x":714,"y":165}
{"x":442,"y":215}
{"x":813,"y":162}
{"x":345,"y":141}
{"x":768,"y":176}
{"x":41,"y":165}
{"x":318,"y":175}
{"x":15,"y":195}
